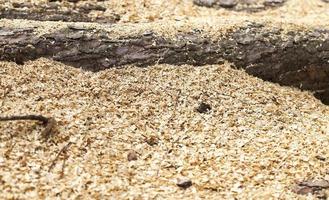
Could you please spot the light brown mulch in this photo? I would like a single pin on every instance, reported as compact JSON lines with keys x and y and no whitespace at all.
{"x":141,"y":133}
{"x":256,"y":141}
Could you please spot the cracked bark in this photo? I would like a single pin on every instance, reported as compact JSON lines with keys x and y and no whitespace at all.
{"x":53,"y":11}
{"x":241,"y":5}
{"x":294,"y":58}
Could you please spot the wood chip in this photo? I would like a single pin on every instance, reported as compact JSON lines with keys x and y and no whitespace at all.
{"x":132,"y":155}
{"x":203,"y":108}
{"x":184,"y":183}
{"x":152,"y":140}
{"x":310,"y":187}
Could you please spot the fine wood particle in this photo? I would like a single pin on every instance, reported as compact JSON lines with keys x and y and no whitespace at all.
{"x":257,"y":141}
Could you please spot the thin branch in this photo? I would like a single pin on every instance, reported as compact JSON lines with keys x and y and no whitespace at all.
{"x":25,"y":117}
{"x":49,"y":122}
{"x":63,"y":150}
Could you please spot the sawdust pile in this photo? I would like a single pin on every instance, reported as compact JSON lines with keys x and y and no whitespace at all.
{"x":164,"y":131}
{"x":132,"y":132}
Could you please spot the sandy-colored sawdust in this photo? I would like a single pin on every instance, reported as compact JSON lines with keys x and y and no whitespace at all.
{"x":256,"y":142}
{"x":173,"y":17}
{"x":214,"y":28}
{"x":155,"y":10}
{"x":258,"y":139}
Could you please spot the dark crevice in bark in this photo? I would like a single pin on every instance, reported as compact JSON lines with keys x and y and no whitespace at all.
{"x":294,"y":58}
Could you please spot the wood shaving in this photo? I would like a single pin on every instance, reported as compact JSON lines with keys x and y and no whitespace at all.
{"x":258,"y":139}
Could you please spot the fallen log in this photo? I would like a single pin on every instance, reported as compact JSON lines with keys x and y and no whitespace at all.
{"x":289,"y":55}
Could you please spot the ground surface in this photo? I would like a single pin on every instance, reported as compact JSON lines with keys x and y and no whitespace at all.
{"x":131,"y":132}
{"x":257,"y":141}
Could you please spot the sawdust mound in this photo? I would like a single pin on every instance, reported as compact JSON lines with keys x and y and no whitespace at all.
{"x":256,"y":140}
{"x":164,"y":131}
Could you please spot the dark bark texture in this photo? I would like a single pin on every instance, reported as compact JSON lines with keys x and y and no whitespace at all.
{"x":295,"y":58}
{"x":241,"y":5}
{"x":53,"y":11}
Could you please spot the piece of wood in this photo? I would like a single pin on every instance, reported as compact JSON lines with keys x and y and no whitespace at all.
{"x":53,"y":11}
{"x":61,"y":152}
{"x":289,"y":57}
{"x":50,"y":123}
{"x":241,"y":5}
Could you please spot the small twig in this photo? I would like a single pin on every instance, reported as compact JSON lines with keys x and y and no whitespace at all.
{"x":25,"y":117}
{"x":63,"y":165}
{"x":49,"y":122}
{"x":63,"y":150}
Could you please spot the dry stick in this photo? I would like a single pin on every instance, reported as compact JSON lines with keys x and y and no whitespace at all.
{"x":25,"y":117}
{"x":63,"y":165}
{"x":49,"y":122}
{"x":63,"y":150}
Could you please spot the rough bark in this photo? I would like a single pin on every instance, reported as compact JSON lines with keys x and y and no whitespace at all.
{"x":241,"y":5}
{"x":295,"y":58}
{"x":53,"y":11}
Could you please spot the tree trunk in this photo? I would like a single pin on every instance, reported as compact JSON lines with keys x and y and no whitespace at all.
{"x":289,"y":56}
